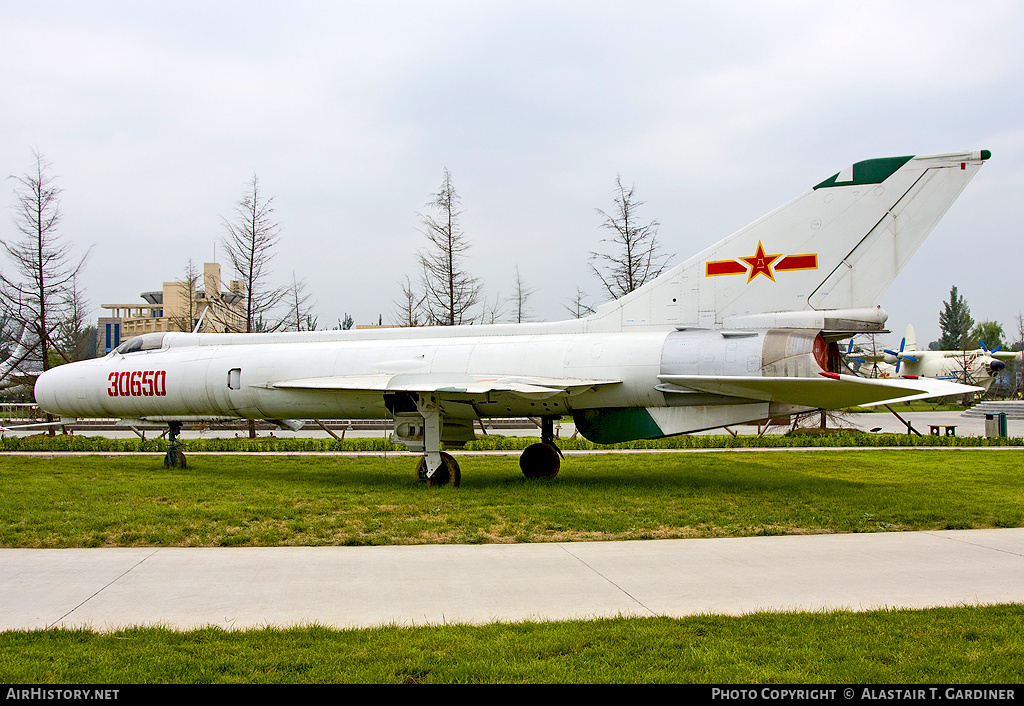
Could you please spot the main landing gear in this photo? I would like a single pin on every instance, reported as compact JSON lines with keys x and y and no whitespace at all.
{"x":418,"y":427}
{"x":544,"y":459}
{"x":447,"y":473}
{"x":540,"y":460}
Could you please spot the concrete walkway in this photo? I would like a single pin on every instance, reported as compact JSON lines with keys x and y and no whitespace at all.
{"x":365,"y":586}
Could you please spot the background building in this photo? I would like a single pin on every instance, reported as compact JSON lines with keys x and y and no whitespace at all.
{"x":178,"y":306}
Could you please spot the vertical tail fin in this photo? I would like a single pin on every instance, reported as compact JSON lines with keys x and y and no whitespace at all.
{"x":836,"y":247}
{"x":911,"y":339}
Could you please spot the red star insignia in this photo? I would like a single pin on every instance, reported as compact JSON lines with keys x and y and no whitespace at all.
{"x":761,"y":264}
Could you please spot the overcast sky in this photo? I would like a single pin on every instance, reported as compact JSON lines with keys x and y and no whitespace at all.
{"x":155,"y":115}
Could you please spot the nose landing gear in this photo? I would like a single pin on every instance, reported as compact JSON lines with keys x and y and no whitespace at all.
{"x":174,"y":458}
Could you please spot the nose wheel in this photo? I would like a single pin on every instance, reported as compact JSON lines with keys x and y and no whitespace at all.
{"x":174,"y":458}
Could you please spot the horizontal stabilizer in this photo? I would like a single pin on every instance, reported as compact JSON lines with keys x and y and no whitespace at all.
{"x":827,"y":392}
{"x":445,"y":383}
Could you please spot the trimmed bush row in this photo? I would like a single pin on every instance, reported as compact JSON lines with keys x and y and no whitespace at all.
{"x":846,"y":439}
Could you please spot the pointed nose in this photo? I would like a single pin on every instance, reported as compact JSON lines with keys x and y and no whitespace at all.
{"x":45,"y":390}
{"x":57,"y":390}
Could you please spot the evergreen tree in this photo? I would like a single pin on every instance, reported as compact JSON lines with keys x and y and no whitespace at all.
{"x":955,"y":321}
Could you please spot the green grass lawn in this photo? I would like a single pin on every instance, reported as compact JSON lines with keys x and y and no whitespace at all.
{"x":271,"y":500}
{"x":949,"y":645}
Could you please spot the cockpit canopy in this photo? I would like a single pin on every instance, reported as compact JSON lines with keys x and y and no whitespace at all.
{"x":145,"y":342}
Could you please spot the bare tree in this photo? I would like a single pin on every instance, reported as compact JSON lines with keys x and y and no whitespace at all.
{"x":9,"y":332}
{"x":578,"y":306}
{"x":409,"y":309}
{"x":40,"y":294}
{"x":636,"y":256}
{"x":450,"y":293}
{"x":76,"y":339}
{"x":300,"y":311}
{"x":249,"y":243}
{"x":493,"y":310}
{"x":520,"y":296}
{"x":187,"y":317}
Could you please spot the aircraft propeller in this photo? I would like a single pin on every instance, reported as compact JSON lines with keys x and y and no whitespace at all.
{"x":994,"y":366}
{"x":849,"y":357}
{"x":900,"y":356}
{"x":985,"y":348}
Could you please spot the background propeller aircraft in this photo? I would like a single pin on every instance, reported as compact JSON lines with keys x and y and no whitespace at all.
{"x":743,"y":331}
{"x":978,"y":366}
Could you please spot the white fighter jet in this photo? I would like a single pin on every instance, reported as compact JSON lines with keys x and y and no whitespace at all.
{"x":743,"y":331}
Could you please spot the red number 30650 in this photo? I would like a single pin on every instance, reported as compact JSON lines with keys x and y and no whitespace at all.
{"x":138,"y":383}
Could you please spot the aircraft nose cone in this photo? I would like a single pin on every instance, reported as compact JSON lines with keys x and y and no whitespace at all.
{"x":46,"y":391}
{"x":43,"y":391}
{"x":56,"y":389}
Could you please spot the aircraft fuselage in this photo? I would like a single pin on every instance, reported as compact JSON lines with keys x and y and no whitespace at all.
{"x":183,"y":380}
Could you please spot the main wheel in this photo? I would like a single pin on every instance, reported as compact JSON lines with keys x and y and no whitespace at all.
{"x":448,"y":474}
{"x":540,"y":461}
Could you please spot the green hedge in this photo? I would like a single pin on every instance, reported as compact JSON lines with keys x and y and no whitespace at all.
{"x":43,"y":443}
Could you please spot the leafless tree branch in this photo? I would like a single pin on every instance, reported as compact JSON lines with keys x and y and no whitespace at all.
{"x":635,"y":256}
{"x":249,"y":243}
{"x":39,"y":295}
{"x":450,"y":293}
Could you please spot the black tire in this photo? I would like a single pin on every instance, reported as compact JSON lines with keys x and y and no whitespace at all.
{"x":540,"y":461}
{"x":174,"y":458}
{"x":448,"y":474}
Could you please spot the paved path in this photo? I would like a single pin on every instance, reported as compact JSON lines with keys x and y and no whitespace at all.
{"x":365,"y":586}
